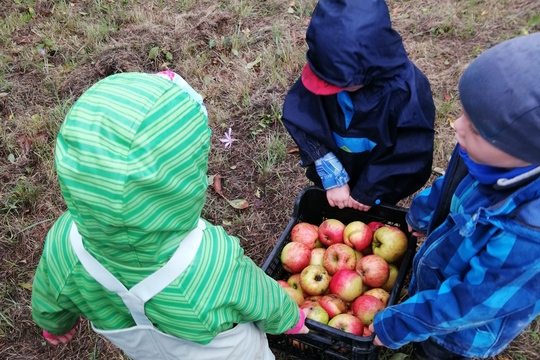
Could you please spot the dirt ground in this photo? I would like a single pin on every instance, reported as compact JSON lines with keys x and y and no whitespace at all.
{"x":242,"y":56}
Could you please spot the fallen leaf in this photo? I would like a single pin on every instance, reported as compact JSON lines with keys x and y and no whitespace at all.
{"x":439,"y":170}
{"x":399,"y":356}
{"x":4,"y":94}
{"x":11,"y":158}
{"x":26,"y":286}
{"x":239,"y":203}
{"x":217,"y":184}
{"x":293,"y":150}
{"x":226,"y":222}
{"x":258,"y":193}
{"x":25,"y":143}
{"x":254,"y":63}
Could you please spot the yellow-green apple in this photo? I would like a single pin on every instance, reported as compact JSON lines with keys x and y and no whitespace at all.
{"x":374,"y":225}
{"x":358,"y":235}
{"x":295,"y":256}
{"x":316,"y":312}
{"x":283,"y":283}
{"x":347,"y":284}
{"x":365,"y":307}
{"x":295,"y":294}
{"x":305,"y":233}
{"x":348,"y":323}
{"x":390,"y":243}
{"x":314,"y":279}
{"x":339,"y":256}
{"x":294,"y":282}
{"x":392,"y":277}
{"x":379,"y":293}
{"x":333,"y":304}
{"x":359,"y":255}
{"x":374,"y":270}
{"x":317,"y":256}
{"x":331,"y":232}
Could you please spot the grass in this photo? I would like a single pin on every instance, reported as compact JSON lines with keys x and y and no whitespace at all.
{"x":242,"y":56}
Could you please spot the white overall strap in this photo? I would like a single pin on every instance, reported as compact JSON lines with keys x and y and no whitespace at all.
{"x":182,"y":257}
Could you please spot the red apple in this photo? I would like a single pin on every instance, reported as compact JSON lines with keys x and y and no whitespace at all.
{"x":283,"y":283}
{"x":295,"y":294}
{"x":331,"y":232}
{"x":339,"y":256}
{"x":295,"y":256}
{"x":379,"y":293}
{"x":305,"y":233}
{"x":366,"y":331}
{"x":374,"y":225}
{"x":347,"y":323}
{"x":333,"y":304}
{"x":314,"y":279}
{"x":374,"y":270}
{"x":347,"y":284}
{"x":365,"y":307}
{"x":392,"y":277}
{"x":390,"y":243}
{"x":315,"y":312}
{"x":317,"y":256}
{"x":358,"y":235}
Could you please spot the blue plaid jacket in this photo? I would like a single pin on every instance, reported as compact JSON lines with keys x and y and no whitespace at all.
{"x":476,"y":278}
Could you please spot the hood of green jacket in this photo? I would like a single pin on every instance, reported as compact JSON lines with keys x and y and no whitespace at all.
{"x":131,"y":158}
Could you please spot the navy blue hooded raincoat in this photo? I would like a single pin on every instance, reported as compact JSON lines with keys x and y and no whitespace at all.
{"x":385,"y":143}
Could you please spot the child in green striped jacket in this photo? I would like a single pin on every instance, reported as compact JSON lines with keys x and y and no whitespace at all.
{"x":132,"y":254}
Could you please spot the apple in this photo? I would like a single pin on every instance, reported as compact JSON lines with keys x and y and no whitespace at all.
{"x":314,"y":279}
{"x":358,"y":235}
{"x":359,"y":255}
{"x":295,"y":256}
{"x":390,"y":243}
{"x":379,"y":293}
{"x":305,"y":233}
{"x":374,"y":225}
{"x":294,"y":281}
{"x":295,"y":294}
{"x":314,"y":298}
{"x":347,"y":323}
{"x":347,"y":284}
{"x":392,"y":277}
{"x":365,"y":307}
{"x":331,"y":232}
{"x":317,"y":256}
{"x":316,"y":312}
{"x":366,"y":331}
{"x":283,"y":283}
{"x":374,"y":270}
{"x":333,"y":304}
{"x":337,"y":257}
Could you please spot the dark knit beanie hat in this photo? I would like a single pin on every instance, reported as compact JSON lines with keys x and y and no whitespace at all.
{"x":500,"y":93}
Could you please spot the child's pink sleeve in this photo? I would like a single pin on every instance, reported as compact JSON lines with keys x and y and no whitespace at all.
{"x":299,"y":324}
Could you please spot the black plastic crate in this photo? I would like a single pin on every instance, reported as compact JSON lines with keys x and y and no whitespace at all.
{"x":325,"y":342}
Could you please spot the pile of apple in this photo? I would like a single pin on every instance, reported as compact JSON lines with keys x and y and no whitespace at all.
{"x":343,"y":273}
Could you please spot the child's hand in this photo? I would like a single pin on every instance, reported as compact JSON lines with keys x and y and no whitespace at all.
{"x":376,"y":341}
{"x":338,"y":196}
{"x":357,"y":205}
{"x":415,"y":233}
{"x":56,"y":339}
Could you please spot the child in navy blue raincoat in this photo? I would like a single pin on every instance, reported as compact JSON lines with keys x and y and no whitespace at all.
{"x":362,"y":113}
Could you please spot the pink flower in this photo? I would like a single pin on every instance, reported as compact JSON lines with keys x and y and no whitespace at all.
{"x":228,"y":140}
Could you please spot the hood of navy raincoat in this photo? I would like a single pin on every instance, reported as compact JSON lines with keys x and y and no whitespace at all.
{"x":353,"y":43}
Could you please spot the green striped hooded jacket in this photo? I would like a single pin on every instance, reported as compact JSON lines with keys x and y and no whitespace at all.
{"x":131,"y":158}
